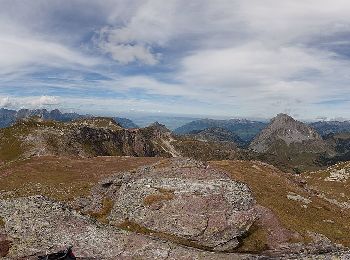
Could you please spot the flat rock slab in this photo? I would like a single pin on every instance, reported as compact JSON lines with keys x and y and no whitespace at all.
{"x":37,"y":225}
{"x":210,"y":211}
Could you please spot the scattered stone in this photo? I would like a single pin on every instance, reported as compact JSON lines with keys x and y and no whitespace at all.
{"x":341,"y":175}
{"x":297,"y":197}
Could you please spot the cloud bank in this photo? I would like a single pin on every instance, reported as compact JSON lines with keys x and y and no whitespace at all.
{"x":223,"y":57}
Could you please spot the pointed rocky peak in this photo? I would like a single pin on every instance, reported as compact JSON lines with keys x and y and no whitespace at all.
{"x":286,"y":129}
{"x":55,"y":112}
{"x":281,"y":117}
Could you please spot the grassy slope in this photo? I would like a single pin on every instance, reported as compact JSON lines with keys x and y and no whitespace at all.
{"x":63,"y":178}
{"x":271,"y":187}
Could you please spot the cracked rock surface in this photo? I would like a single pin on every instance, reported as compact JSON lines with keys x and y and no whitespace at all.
{"x":39,"y":225}
{"x":192,"y":203}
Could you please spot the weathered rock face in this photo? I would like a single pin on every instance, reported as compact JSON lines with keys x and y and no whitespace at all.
{"x":191,"y":203}
{"x":38,"y":225}
{"x":85,"y":138}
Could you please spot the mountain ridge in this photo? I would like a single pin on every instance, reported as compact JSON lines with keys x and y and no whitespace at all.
{"x":9,"y":117}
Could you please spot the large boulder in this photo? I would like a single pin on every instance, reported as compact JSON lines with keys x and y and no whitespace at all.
{"x":39,"y":225}
{"x":191,"y":204}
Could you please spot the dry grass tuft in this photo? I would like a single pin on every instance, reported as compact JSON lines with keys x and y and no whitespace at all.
{"x":107,"y":205}
{"x":155,"y":198}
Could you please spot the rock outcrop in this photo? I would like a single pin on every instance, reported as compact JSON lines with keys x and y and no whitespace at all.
{"x":38,"y":225}
{"x":184,"y":201}
{"x":84,"y":138}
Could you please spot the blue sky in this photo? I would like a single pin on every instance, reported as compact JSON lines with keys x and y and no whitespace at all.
{"x":234,"y":58}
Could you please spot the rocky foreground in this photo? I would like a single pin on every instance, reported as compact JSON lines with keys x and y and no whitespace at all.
{"x":174,"y":209}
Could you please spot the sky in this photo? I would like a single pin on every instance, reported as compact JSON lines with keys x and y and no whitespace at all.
{"x":234,"y":58}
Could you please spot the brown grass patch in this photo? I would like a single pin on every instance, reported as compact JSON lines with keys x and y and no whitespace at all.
{"x":271,"y":187}
{"x":63,"y":178}
{"x":134,"y":227}
{"x":155,"y":198}
{"x":107,"y":205}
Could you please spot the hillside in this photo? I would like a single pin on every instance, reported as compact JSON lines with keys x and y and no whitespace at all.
{"x":216,"y":134}
{"x":290,"y":144}
{"x":83,"y":137}
{"x":245,"y":129}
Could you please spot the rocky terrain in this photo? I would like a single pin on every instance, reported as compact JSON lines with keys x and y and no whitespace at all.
{"x":290,"y":144}
{"x":179,"y":209}
{"x":116,"y":193}
{"x":284,"y":129}
{"x":84,"y":137}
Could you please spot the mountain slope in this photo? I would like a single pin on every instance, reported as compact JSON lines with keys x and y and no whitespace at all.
{"x":83,"y":137}
{"x":284,"y":129}
{"x":216,"y":134}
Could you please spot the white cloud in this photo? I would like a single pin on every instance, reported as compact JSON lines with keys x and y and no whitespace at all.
{"x":29,"y":102}
{"x":120,"y":46}
{"x":5,"y":102}
{"x":43,"y":101}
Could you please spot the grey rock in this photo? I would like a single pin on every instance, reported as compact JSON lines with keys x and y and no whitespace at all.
{"x":38,"y":225}
{"x":207,"y":208}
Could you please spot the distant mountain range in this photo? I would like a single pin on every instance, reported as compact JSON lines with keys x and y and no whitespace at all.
{"x":248,"y":129}
{"x":217,"y":134}
{"x":245,"y":129}
{"x":8,"y":117}
{"x":328,"y":127}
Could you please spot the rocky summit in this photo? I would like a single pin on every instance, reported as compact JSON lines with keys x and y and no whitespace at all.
{"x":289,"y":131}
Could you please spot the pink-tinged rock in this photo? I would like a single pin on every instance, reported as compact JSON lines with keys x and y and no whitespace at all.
{"x":210,"y":213}
{"x":41,"y":226}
